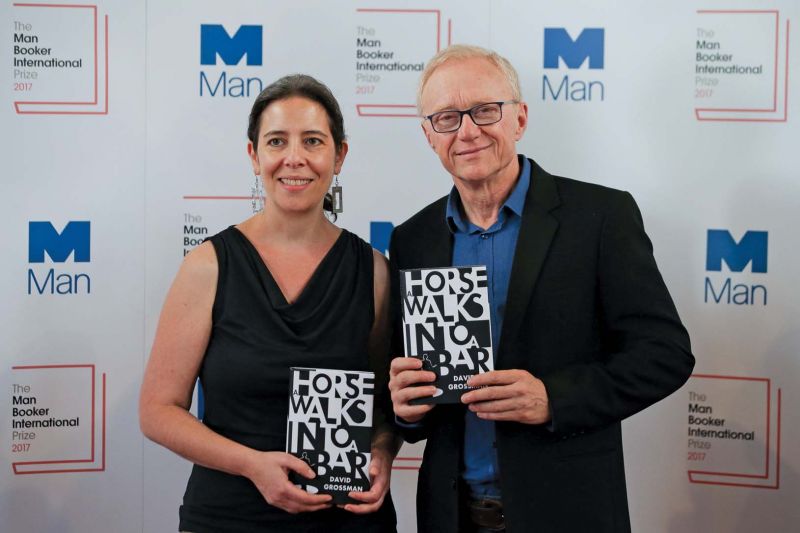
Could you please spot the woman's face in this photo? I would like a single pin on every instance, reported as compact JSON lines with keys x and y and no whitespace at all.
{"x":295,"y":155}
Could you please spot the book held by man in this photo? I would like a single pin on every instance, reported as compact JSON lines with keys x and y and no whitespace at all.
{"x":446,"y":323}
{"x":330,"y":427}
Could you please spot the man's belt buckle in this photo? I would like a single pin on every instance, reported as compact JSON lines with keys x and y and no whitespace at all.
{"x":487,"y":513}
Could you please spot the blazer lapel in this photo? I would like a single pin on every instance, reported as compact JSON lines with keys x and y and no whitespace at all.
{"x":439,"y":244}
{"x":535,"y":235}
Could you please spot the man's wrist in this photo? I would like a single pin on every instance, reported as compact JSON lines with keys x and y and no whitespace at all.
{"x":403,"y":423}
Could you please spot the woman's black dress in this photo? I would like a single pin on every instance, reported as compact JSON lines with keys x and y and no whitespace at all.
{"x":256,"y":337}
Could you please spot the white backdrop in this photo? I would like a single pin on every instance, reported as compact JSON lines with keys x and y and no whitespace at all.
{"x":109,"y":118}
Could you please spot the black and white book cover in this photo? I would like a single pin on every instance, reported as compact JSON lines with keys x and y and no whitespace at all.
{"x":446,"y":323}
{"x":330,"y":427}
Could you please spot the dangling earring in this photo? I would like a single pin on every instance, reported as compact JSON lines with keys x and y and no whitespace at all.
{"x":336,"y":193}
{"x":257,"y":195}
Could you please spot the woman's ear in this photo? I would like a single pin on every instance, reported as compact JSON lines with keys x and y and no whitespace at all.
{"x":251,"y":151}
{"x":337,"y":167}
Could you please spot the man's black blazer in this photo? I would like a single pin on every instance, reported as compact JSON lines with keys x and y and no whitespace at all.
{"x":588,"y":313}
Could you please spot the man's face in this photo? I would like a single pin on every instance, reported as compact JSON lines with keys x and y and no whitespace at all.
{"x":473,"y":153}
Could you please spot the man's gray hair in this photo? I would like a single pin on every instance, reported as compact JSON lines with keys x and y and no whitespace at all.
{"x":466,"y":51}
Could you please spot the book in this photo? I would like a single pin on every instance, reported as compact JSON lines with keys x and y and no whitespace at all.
{"x":329,"y":426}
{"x":446,"y":323}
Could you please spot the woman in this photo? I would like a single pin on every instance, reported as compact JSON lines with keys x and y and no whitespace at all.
{"x":284,"y":288}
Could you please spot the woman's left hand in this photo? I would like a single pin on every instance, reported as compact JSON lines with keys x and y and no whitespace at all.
{"x":380,"y":473}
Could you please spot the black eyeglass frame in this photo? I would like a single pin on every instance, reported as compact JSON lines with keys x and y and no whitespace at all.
{"x":469,"y":111}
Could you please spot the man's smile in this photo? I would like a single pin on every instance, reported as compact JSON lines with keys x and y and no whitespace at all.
{"x":470,"y":151}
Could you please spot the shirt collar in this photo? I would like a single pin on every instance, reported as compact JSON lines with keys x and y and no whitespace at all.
{"x":458,"y":223}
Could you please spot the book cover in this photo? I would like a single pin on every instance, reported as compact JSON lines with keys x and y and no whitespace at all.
{"x":330,"y":427}
{"x":446,"y":324}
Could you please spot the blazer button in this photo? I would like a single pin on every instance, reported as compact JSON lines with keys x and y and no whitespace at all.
{"x":453,"y":483}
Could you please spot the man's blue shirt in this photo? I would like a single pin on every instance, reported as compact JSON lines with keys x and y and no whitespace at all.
{"x":493,"y":247}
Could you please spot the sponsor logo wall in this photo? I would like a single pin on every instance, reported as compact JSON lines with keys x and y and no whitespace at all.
{"x":72,"y":138}
{"x":123,"y":146}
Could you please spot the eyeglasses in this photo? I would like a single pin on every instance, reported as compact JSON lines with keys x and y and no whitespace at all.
{"x":481,"y":115}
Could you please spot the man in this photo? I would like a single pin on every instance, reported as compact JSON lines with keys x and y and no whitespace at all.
{"x":584,"y":330}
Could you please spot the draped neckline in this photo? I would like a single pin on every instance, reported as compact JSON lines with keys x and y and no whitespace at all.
{"x":274,"y":292}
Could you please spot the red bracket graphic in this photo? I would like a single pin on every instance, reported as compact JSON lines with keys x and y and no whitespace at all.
{"x":16,"y":466}
{"x":738,"y":478}
{"x":95,"y":98}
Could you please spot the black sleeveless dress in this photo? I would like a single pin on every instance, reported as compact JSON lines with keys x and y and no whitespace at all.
{"x":256,"y":336}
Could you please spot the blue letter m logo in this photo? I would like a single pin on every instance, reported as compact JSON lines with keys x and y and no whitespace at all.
{"x":379,"y":234}
{"x":558,"y":43}
{"x":43,"y":237}
{"x":214,"y":40}
{"x":752,"y":247}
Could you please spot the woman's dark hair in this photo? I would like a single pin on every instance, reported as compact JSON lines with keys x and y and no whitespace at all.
{"x":303,"y":86}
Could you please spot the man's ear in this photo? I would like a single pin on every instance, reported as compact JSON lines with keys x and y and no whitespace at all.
{"x":428,"y":135}
{"x":522,"y":120}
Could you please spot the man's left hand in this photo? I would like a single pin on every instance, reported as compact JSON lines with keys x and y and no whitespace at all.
{"x":508,"y":395}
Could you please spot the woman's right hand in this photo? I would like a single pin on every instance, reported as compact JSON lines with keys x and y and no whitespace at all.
{"x":269,"y":472}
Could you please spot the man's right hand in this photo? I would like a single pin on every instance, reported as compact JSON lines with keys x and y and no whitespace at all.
{"x":404,"y":375}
